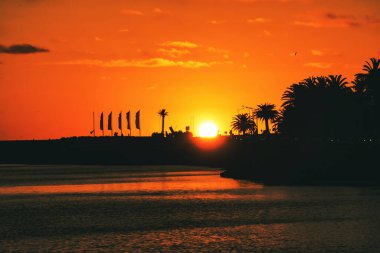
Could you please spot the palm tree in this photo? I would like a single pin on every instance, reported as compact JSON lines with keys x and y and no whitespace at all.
{"x":371,"y":79}
{"x":319,"y":107}
{"x":163,"y":113}
{"x":373,"y":67}
{"x":243,"y":123}
{"x":337,"y":82}
{"x":266,"y":112}
{"x":359,"y":84}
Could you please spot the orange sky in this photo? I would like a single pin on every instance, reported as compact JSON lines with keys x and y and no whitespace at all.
{"x":199,"y":59}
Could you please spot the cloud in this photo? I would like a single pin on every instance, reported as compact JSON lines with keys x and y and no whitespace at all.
{"x":267,"y":33}
{"x":333,"y":20}
{"x":370,"y":20}
{"x":132,"y":12}
{"x":173,"y":52}
{"x":225,"y":53}
{"x":147,"y":63}
{"x":175,"y":49}
{"x":152,"y":87}
{"x":161,"y":12}
{"x":307,"y":23}
{"x":32,"y":1}
{"x":218,"y":22}
{"x":341,"y":20}
{"x":316,"y":52}
{"x":259,"y":20}
{"x":179,"y":44}
{"x":320,"y":65}
{"x":158,"y":10}
{"x":217,"y":50}
{"x":22,"y":49}
{"x":273,"y":1}
{"x":264,"y":33}
{"x":125,"y":30}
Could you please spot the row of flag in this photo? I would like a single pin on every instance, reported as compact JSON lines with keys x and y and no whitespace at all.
{"x":120,"y":121}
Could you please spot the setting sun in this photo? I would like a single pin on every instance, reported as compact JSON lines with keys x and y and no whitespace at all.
{"x":208,"y":130}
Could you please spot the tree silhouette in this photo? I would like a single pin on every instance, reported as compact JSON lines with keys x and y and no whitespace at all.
{"x":359,"y":85}
{"x":337,"y":82}
{"x":163,"y":113}
{"x":243,"y":123}
{"x":319,"y":107}
{"x":372,"y":68}
{"x":368,"y":83}
{"x":266,"y":112}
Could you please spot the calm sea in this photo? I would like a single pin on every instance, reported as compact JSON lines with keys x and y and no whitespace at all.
{"x":177,"y":209}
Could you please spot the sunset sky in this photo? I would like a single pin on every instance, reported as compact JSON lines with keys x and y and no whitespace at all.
{"x":200,"y":59}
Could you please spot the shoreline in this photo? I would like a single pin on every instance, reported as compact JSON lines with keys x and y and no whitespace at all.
{"x":268,"y":182}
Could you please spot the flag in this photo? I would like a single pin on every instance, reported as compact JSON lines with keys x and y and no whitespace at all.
{"x":137,"y":120}
{"x":119,"y":121}
{"x":129,"y":120}
{"x":101,"y":121}
{"x":110,"y":121}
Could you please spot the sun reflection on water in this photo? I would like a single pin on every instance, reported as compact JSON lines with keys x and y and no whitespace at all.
{"x":208,"y":183}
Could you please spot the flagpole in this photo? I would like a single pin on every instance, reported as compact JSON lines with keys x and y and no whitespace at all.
{"x":93,"y":122}
{"x":110,"y":123}
{"x":137,"y":121}
{"x":102,"y":123}
{"x":120,"y":119}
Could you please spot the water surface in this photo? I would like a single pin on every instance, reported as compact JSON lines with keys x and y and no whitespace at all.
{"x":177,"y":209}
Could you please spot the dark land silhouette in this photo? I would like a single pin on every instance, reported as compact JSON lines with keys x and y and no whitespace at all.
{"x":326,"y":132}
{"x":274,"y":161}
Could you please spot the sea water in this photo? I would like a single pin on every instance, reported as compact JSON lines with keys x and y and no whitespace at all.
{"x":177,"y":209}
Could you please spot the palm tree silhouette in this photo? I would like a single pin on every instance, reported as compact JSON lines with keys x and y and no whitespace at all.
{"x":373,"y":67}
{"x":326,"y":107}
{"x":371,"y":79}
{"x":243,"y":123}
{"x":163,"y":113}
{"x":359,"y":85}
{"x":319,"y":107}
{"x":266,"y":112}
{"x":337,"y":82}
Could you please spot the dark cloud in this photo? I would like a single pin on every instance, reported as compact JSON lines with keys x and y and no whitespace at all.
{"x":351,"y":20}
{"x":337,"y":20}
{"x":21,"y":49}
{"x":372,"y":20}
{"x":348,"y":20}
{"x":336,"y":16}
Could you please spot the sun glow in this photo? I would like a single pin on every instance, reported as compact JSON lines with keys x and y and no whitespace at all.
{"x":208,"y":130}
